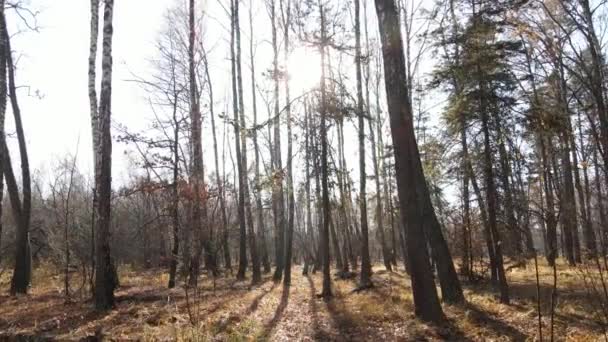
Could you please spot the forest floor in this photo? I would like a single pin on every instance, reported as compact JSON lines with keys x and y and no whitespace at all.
{"x":234,"y":311}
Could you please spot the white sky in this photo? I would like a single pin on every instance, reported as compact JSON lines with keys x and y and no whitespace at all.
{"x":54,"y":62}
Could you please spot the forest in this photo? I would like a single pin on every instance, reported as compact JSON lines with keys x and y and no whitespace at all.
{"x":211,"y":194}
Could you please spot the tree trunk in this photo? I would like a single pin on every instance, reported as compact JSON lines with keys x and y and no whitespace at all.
{"x":411,"y":185}
{"x":219,"y":180}
{"x":326,"y":291}
{"x":197,"y":178}
{"x":239,"y":159}
{"x":600,"y":203}
{"x":175,"y":198}
{"x":3,"y":99}
{"x":308,"y":257}
{"x":486,"y":224}
{"x":491,"y":197}
{"x":277,"y":196}
{"x":253,"y":250}
{"x":515,"y":240}
{"x":365,"y":280}
{"x":105,"y":274}
{"x":257,"y":187}
{"x":290,"y":188}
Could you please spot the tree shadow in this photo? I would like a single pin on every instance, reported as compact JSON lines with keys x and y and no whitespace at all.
{"x":147,"y":296}
{"x":278,"y":314}
{"x":319,"y":335}
{"x":482,"y":318}
{"x":348,"y":325}
{"x":256,"y":301}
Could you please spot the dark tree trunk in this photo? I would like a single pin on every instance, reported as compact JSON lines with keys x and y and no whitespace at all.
{"x":600,"y":203}
{"x":3,"y":102}
{"x":244,"y":183}
{"x":290,"y":190}
{"x":105,"y":274}
{"x":219,"y":180}
{"x":277,"y":195}
{"x":326,"y":291}
{"x":366,"y":266}
{"x":239,"y":159}
{"x":308,"y":253}
{"x":411,"y":185}
{"x":491,"y":197}
{"x":175,"y":199}
{"x":486,"y":225}
{"x":515,"y":240}
{"x":21,"y":208}
{"x":257,"y":187}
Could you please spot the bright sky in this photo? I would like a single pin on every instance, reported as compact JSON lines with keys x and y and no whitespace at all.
{"x":53,"y":62}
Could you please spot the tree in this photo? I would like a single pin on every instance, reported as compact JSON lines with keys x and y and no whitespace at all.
{"x":237,"y":141}
{"x":256,"y":146}
{"x":326,"y":290}
{"x":244,"y":182}
{"x":278,"y":197}
{"x":197,"y":181}
{"x":411,"y":185}
{"x":21,"y":207}
{"x":286,"y":14}
{"x":366,"y":267}
{"x":105,"y":274}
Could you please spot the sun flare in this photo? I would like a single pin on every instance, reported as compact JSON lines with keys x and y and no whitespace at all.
{"x":304,"y":69}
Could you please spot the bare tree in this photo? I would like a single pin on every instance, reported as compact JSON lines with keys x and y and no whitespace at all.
{"x":407,"y":163}
{"x":21,"y":207}
{"x":105,"y":274}
{"x":366,"y":267}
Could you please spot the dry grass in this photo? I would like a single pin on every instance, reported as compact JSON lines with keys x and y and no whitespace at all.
{"x":234,"y":311}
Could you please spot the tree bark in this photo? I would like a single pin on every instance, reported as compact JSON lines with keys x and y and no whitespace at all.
{"x":290,"y":188}
{"x":257,"y":187}
{"x":105,"y":274}
{"x":365,"y":280}
{"x":219,"y":180}
{"x":239,"y":160}
{"x":411,"y":185}
{"x":175,"y":198}
{"x":326,"y":291}
{"x":277,"y":195}
{"x":253,"y":250}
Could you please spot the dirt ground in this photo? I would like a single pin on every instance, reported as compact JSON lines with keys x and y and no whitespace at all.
{"x":234,"y":311}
